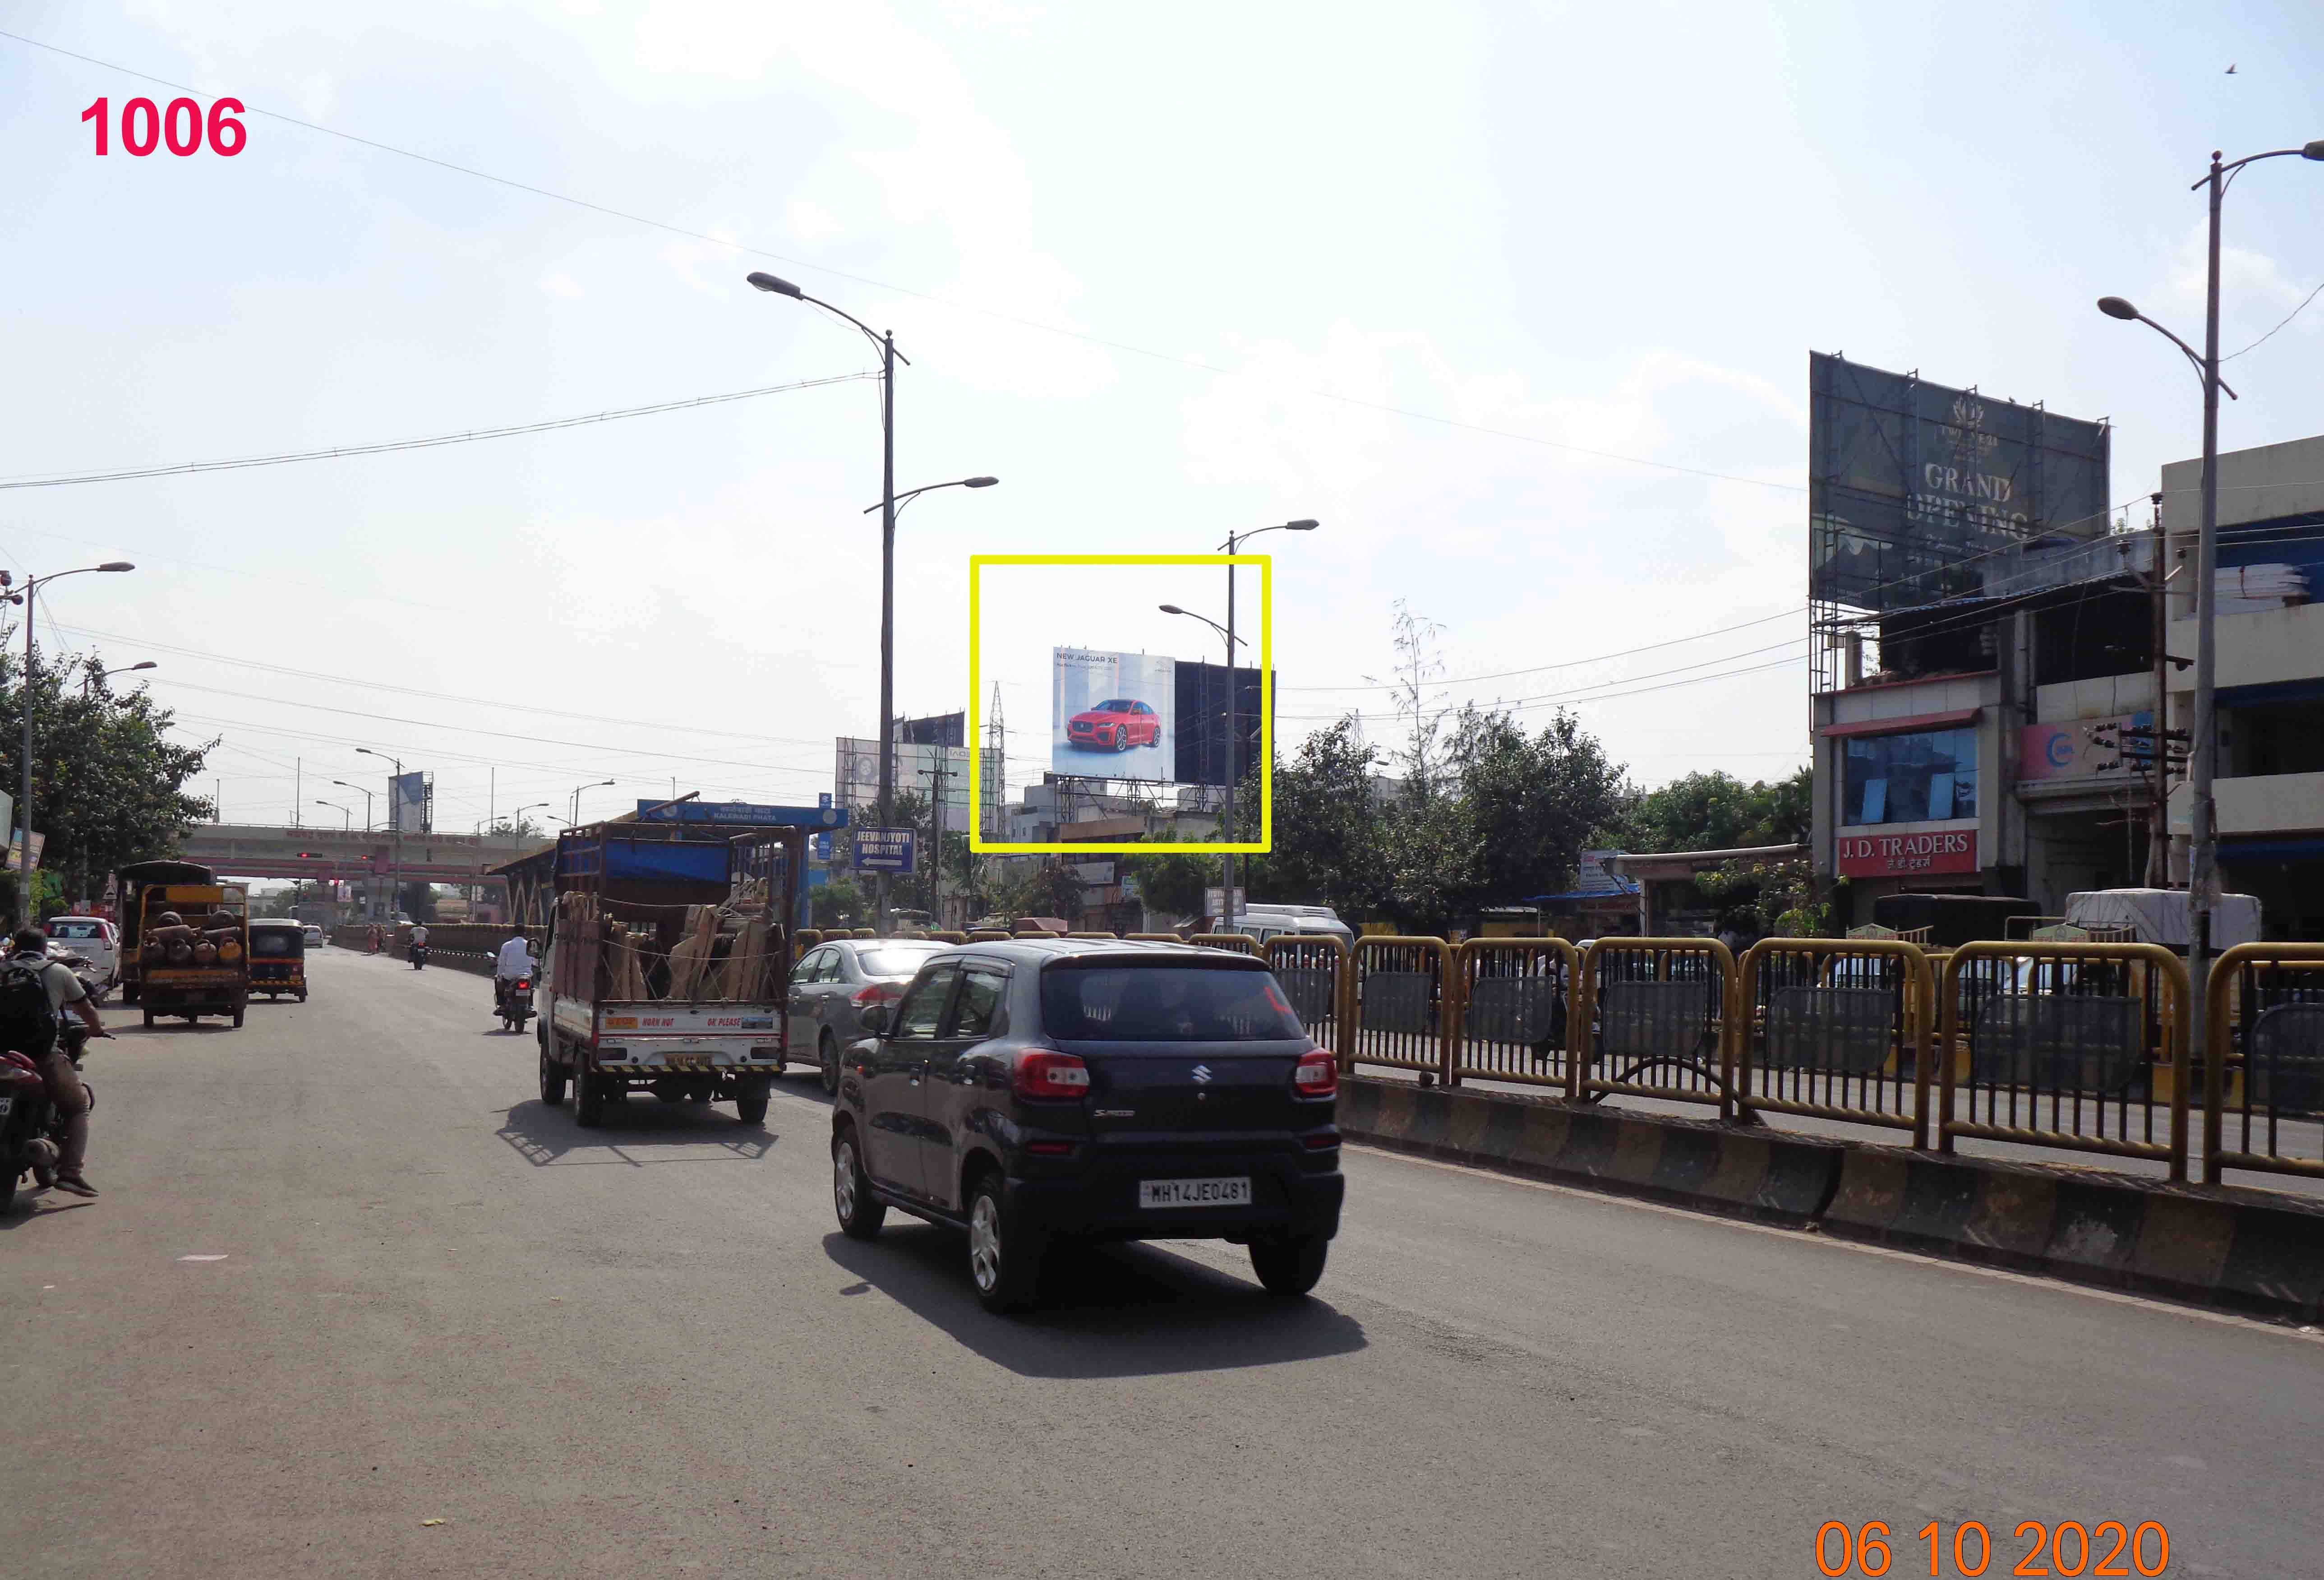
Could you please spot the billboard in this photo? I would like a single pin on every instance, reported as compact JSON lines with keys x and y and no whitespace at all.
{"x":920,"y":768}
{"x":1202,"y":698}
{"x":1915,"y":488}
{"x":1114,"y":714}
{"x":939,"y":729}
{"x":2077,"y":750}
{"x":1888,"y":855}
{"x":410,"y":803}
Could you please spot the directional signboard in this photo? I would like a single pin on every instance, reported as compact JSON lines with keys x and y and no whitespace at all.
{"x":883,"y":850}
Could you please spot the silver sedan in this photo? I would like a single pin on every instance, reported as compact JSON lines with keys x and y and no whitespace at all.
{"x":835,"y":983}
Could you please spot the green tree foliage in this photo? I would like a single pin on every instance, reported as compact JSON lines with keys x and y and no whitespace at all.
{"x":108,"y":784}
{"x":1716,"y":811}
{"x":1173,"y":882}
{"x":1331,"y":837}
{"x":840,"y":903}
{"x":1528,"y":803}
{"x":1045,"y":888}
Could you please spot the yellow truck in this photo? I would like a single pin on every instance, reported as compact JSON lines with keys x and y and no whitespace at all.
{"x":192,"y":950}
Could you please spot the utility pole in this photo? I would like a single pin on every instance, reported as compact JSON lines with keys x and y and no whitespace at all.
{"x":2158,"y":815}
{"x":939,"y":773}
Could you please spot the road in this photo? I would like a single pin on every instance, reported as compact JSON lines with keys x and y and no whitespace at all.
{"x":348,"y":1277}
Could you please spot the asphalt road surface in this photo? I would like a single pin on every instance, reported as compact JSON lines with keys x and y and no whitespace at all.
{"x":354,"y":1303}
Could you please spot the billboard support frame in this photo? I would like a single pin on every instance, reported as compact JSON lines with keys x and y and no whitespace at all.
{"x":1260,"y":847}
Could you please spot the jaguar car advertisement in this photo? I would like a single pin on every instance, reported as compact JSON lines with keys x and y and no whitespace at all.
{"x":1113,"y":715}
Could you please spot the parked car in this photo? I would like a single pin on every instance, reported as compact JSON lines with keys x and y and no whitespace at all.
{"x":94,"y":940}
{"x":1264,"y":921}
{"x":832,"y":985}
{"x":1042,"y":1091}
{"x":1115,"y":726}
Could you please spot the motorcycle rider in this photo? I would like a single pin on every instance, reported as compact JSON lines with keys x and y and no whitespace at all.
{"x":514,"y":963}
{"x":63,"y":988}
{"x":417,"y":946}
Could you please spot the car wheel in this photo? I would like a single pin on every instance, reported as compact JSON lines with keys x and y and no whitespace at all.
{"x":752,"y":1108}
{"x":828,"y":1054}
{"x":1122,"y":739}
{"x":861,"y":1213}
{"x":552,"y":1079}
{"x":1290,"y":1267}
{"x":1004,"y":1257}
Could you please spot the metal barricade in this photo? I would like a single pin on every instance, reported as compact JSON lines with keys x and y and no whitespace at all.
{"x":1116,"y":936}
{"x":1836,"y":1028}
{"x":1240,"y":943}
{"x":861,"y":932}
{"x":949,"y":937}
{"x":988,"y":935}
{"x":2072,"y":1046}
{"x":1402,"y":1000}
{"x":1152,"y":939}
{"x":1652,"y":1005}
{"x":1516,"y":998}
{"x":2263,"y":1070}
{"x":805,"y":938}
{"x":1312,"y":971}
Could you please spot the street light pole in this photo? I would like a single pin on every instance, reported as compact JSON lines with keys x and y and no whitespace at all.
{"x":365,"y":794}
{"x":885,"y":343}
{"x":396,"y":827}
{"x":593,"y":784}
{"x":1234,"y":706}
{"x":2202,"y":768}
{"x":88,"y":682}
{"x":32,"y":583}
{"x":346,"y":812}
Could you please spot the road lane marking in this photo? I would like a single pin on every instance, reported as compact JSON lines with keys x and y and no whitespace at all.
{"x":1810,"y":1237}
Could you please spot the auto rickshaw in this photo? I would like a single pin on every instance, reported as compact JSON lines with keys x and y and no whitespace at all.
{"x":277,"y":959}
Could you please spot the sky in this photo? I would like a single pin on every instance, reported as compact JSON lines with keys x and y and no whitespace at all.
{"x":1517,"y":300}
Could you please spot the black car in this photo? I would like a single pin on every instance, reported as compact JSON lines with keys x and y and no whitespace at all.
{"x":1042,"y":1091}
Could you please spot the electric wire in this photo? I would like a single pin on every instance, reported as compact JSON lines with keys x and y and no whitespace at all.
{"x":433,"y":441}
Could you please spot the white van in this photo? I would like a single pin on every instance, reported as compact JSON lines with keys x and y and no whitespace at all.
{"x":1272,"y":921}
{"x":91,"y":936}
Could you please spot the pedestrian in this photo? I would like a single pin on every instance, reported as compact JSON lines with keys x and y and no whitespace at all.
{"x":375,"y":939}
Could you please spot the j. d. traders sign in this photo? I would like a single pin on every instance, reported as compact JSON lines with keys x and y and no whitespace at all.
{"x":1885,"y":856}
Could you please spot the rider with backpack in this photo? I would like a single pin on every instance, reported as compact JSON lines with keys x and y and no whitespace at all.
{"x":33,"y":992}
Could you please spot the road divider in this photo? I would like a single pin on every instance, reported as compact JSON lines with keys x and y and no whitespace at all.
{"x":2252,"y":1252}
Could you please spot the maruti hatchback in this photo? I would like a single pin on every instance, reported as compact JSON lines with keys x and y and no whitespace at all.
{"x":1039,"y":1092}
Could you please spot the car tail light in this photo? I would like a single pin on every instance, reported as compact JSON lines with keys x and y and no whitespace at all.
{"x":1322,"y":1141}
{"x":1043,"y":1072}
{"x":877,"y":992}
{"x":1317,"y":1075}
{"x":1050,"y":1149}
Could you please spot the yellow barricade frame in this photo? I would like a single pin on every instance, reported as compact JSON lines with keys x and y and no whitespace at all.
{"x":1473,"y":950}
{"x":1919,"y":1000}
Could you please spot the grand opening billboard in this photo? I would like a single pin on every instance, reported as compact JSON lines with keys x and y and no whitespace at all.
{"x":1114,"y":714}
{"x":1915,"y":488}
{"x":931,"y":772}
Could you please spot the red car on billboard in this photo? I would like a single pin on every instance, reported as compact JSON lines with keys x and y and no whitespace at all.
{"x":1115,"y":725}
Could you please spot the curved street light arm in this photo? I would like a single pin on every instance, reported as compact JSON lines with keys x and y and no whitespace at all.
{"x":2228,"y":169}
{"x":876,"y":343}
{"x":909,"y":494}
{"x":2192,"y":354}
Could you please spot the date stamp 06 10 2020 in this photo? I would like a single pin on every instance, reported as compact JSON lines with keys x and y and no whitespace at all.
{"x":2069,"y":1549}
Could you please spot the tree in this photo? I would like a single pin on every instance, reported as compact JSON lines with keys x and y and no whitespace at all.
{"x":1331,"y":846}
{"x":1717,"y":811}
{"x":1529,"y":802}
{"x":108,"y":784}
{"x":838,"y":903}
{"x":1173,"y":883}
{"x":1045,"y":888}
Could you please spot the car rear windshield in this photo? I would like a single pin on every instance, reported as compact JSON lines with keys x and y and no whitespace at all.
{"x":895,"y":962}
{"x":1165,"y":1003}
{"x":274,"y":941}
{"x":74,"y":929}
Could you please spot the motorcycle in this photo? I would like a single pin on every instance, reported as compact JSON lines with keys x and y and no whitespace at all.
{"x":514,"y":1003}
{"x":419,"y":952}
{"x":32,"y":1127}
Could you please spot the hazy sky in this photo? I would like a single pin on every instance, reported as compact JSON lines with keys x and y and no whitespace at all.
{"x":1157,"y":268}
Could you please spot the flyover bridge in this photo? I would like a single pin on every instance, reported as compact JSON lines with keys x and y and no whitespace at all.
{"x":254,"y":850}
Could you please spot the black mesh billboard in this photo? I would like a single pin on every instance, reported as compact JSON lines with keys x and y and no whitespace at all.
{"x":1202,"y":733}
{"x":1913,"y":487}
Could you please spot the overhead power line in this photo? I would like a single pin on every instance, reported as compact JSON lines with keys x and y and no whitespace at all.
{"x":383,"y":446}
{"x":1197,"y":363}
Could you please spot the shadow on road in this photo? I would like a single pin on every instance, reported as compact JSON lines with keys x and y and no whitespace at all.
{"x":1121,"y":1310}
{"x":636,"y":1132}
{"x":42,"y":1205}
{"x":206,"y":1027}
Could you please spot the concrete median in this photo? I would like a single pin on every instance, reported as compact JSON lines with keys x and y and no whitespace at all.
{"x":2259,"y":1252}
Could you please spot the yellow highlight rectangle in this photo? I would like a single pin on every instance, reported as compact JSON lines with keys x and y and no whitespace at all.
{"x":1266,"y":840}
